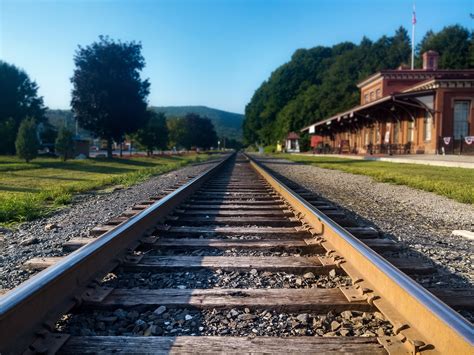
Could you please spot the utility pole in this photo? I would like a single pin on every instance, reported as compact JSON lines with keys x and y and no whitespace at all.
{"x":413,"y":23}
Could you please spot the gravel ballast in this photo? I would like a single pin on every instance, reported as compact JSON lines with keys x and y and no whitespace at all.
{"x":421,"y":221}
{"x":205,"y":279}
{"x":45,"y":237}
{"x":234,"y":322}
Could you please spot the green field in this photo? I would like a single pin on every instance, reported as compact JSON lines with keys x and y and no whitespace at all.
{"x":31,"y":190}
{"x":455,"y":183}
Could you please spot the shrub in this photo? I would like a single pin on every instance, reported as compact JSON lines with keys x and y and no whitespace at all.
{"x":27,"y":140}
{"x":65,"y":144}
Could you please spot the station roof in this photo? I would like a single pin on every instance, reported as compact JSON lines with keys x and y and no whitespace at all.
{"x":421,"y":89}
{"x":418,"y":74}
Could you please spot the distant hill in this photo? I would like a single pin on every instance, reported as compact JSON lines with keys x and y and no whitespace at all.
{"x":227,"y":124}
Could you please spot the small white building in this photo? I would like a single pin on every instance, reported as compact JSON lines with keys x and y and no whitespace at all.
{"x":292,"y":144}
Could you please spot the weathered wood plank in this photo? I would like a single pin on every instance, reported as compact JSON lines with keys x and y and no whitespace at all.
{"x":239,"y":190}
{"x":99,"y":230}
{"x":412,"y":266}
{"x":289,"y":300}
{"x":41,"y":263}
{"x":140,"y":207}
{"x":76,"y":243}
{"x":233,"y":243}
{"x":382,"y":244}
{"x":241,"y":212}
{"x":247,"y":202}
{"x":259,"y":197}
{"x":231,"y":207}
{"x":222,"y":345}
{"x":219,"y":230}
{"x":363,"y":232}
{"x":459,"y":299}
{"x":117,"y":220}
{"x":130,"y":213}
{"x":194,"y":243}
{"x":294,"y":264}
{"x":186,"y":243}
{"x":235,"y":221}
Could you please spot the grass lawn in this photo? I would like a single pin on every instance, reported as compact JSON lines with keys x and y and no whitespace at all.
{"x":455,"y":183}
{"x":31,"y":190}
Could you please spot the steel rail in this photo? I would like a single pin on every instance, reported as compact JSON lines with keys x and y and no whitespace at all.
{"x":46,"y":296}
{"x":441,"y":328}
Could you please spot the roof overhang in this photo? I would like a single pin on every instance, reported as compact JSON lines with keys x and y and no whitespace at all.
{"x":346,"y":114}
{"x":417,"y":100}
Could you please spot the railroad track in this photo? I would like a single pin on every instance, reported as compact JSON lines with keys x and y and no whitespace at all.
{"x":233,"y":261}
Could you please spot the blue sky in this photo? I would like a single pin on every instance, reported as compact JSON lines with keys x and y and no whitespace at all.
{"x":200,"y":52}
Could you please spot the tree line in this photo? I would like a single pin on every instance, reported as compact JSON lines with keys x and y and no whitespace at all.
{"x":109,"y":99}
{"x":321,"y":81}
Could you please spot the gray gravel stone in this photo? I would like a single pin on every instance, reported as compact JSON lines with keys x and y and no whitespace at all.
{"x":225,"y":322}
{"x":228,"y":252}
{"x":225,"y":279}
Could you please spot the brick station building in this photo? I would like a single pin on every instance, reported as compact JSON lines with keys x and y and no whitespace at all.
{"x":404,"y":111}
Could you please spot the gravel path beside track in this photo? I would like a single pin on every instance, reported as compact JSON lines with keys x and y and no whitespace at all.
{"x":421,"y":220}
{"x":45,"y":237}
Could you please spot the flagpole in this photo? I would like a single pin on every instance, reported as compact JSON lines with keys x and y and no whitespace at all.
{"x":413,"y":22}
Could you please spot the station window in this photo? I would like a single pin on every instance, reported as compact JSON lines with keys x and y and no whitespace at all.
{"x":366,"y":98}
{"x":372,"y":96}
{"x":427,"y":126}
{"x":378,"y":93}
{"x":461,"y":117}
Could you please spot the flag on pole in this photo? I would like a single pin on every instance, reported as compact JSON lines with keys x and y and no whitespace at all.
{"x":413,"y":20}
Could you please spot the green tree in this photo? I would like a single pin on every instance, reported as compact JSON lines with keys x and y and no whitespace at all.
{"x":155,"y":133}
{"x":192,"y":131}
{"x":201,"y":131}
{"x":26,"y":143}
{"x":176,"y":131}
{"x":109,"y":97}
{"x":19,"y":96}
{"x":454,"y":45}
{"x":65,"y":143}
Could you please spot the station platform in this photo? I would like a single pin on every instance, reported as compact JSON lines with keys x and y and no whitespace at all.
{"x":453,"y":161}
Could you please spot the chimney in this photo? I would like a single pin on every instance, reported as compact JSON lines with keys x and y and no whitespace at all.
{"x":430,"y":60}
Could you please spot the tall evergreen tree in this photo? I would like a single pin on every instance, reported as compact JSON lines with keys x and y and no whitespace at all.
{"x":109,"y":97}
